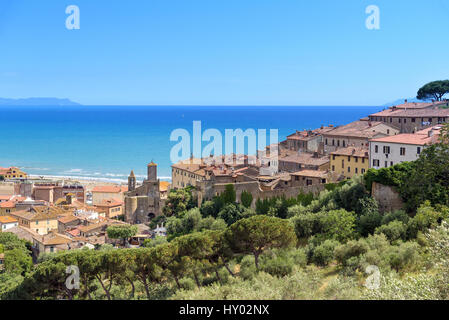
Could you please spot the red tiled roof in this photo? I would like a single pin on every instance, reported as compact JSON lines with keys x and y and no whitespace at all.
{"x":110,"y":189}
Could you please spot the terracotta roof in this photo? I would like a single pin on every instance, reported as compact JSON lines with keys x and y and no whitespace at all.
{"x":409,"y":138}
{"x":92,"y":226}
{"x":8,"y":204}
{"x":52,"y":239}
{"x":311,"y":174}
{"x":35,"y":215}
{"x":163,"y":185}
{"x":23,"y":233}
{"x":306,"y":158}
{"x":110,"y":203}
{"x":5,"y":197}
{"x":68,"y":219}
{"x":352,"y":151}
{"x":404,"y":113}
{"x":110,"y":189}
{"x":7,"y":219}
{"x":361,"y":129}
{"x":306,"y":135}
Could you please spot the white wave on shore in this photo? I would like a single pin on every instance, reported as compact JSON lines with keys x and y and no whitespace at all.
{"x":89,"y":178}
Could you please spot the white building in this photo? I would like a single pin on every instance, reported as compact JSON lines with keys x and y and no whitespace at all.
{"x":388,"y":151}
{"x":7,"y":222}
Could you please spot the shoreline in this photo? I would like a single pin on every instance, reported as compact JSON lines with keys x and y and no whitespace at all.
{"x":88,"y":182}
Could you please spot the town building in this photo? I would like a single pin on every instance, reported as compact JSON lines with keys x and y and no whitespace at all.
{"x":143,"y":203}
{"x":304,"y":161}
{"x":356,"y":134}
{"x":7,"y":222}
{"x":40,"y":220}
{"x":102,"y":193}
{"x":308,"y":140}
{"x":350,"y":161}
{"x":307,"y":178}
{"x":50,"y":243}
{"x":12,"y":173}
{"x":388,"y":151}
{"x":111,"y":208}
{"x":409,"y":118}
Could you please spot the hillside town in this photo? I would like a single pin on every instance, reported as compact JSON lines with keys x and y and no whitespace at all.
{"x":58,"y":215}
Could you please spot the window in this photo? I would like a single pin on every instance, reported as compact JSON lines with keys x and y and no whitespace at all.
{"x":413,"y":119}
{"x":333,"y":168}
{"x":333,"y":157}
{"x":338,"y":143}
{"x":356,"y":170}
{"x":363,"y":171}
{"x":376,"y":163}
{"x":344,"y":143}
{"x":391,"y":163}
{"x":356,"y":159}
{"x":309,"y":182}
{"x":349,"y":158}
{"x":349,"y":169}
{"x":418,"y":150}
{"x":376,"y":149}
{"x":405,"y":120}
{"x":386,"y":164}
{"x":342,"y":163}
{"x":386,"y":149}
{"x":402,"y":151}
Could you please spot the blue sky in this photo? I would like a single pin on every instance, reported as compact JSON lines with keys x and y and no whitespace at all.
{"x":222,"y":52}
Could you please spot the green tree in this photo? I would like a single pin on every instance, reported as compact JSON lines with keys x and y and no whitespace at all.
{"x":229,"y":195}
{"x":394,"y":230}
{"x":18,"y":261}
{"x":123,"y":232}
{"x":339,"y":225}
{"x":178,"y":202}
{"x":258,"y":233}
{"x":434,"y":90}
{"x":246,"y":199}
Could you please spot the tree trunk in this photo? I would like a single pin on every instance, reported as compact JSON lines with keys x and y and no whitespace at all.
{"x":229,"y":270}
{"x":177,"y":282}
{"x":256,"y":260}
{"x":196,"y":279}
{"x":108,"y":295}
{"x":218,"y":275}
{"x":133,"y":289}
{"x":145,"y":285}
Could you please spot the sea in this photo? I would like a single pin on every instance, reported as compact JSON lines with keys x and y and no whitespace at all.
{"x":106,"y":142}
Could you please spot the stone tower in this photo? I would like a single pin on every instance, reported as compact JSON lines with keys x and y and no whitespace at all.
{"x":132,"y":182}
{"x":152,"y":172}
{"x":143,"y":203}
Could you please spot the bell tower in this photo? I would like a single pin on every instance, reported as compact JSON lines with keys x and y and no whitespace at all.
{"x":152,"y":172}
{"x":132,"y":182}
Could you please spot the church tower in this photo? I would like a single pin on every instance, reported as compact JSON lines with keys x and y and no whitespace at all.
{"x":132,"y":182}
{"x":152,"y":172}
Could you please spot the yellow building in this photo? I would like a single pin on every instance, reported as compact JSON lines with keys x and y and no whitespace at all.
{"x":350,"y":161}
{"x":40,"y":220}
{"x":12,"y":173}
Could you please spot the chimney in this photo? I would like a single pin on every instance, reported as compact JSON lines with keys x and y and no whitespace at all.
{"x":430,"y":133}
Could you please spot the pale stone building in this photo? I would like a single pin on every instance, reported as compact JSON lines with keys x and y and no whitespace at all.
{"x":142,"y":203}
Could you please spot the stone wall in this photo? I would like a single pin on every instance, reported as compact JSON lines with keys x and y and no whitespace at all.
{"x":388,"y":198}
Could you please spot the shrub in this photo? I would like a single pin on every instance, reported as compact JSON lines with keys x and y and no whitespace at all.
{"x":395,"y":230}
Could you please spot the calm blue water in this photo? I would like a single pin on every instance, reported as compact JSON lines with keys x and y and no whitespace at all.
{"x":109,"y":141}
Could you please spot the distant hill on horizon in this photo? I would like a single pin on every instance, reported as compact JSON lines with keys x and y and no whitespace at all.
{"x":37,"y":102}
{"x":401,"y":101}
